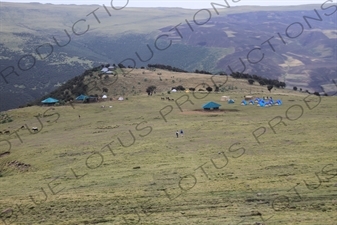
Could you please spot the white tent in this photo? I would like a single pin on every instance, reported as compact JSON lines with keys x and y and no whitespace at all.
{"x":224,"y":98}
{"x":248,"y":97}
{"x":104,"y":96}
{"x":174,"y":90}
{"x":120,"y":98}
{"x":104,"y":70}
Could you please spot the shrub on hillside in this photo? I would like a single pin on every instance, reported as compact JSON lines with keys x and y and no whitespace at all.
{"x":120,"y":65}
{"x":105,"y":90}
{"x":269,"y":87}
{"x":209,"y":89}
{"x":151,"y":89}
{"x":180,"y":88}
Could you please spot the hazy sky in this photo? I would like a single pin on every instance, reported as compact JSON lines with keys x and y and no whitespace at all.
{"x":174,"y":3}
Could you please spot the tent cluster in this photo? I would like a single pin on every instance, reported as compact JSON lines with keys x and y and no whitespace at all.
{"x":108,"y":70}
{"x":80,"y":98}
{"x":227,"y":99}
{"x":262,"y":102}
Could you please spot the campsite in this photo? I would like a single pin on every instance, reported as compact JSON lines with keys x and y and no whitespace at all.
{"x":168,"y":112}
{"x":124,"y":165}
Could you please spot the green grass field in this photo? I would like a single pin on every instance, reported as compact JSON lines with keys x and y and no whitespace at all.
{"x":218,"y":173}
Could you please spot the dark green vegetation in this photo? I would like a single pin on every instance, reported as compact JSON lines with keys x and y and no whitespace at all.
{"x":4,"y":118}
{"x":307,"y":61}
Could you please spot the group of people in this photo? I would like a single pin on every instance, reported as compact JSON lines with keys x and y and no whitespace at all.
{"x":181,"y":133}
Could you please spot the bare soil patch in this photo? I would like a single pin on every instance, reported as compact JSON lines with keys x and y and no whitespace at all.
{"x":4,"y":154}
{"x":209,"y":112}
{"x":18,"y":165}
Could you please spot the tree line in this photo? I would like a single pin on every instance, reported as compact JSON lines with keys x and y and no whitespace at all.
{"x":261,"y":80}
{"x":166,"y":67}
{"x":251,"y":78}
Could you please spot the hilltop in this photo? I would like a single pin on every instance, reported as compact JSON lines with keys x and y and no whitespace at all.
{"x":127,"y":82}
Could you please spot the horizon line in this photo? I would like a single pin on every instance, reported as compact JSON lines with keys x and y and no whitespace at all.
{"x":234,"y":6}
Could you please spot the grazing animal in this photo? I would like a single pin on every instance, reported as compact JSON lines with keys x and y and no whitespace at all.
{"x":22,"y":127}
{"x":168,"y":98}
{"x":6,"y":132}
{"x":35,"y":129}
{"x":162,"y":98}
{"x":172,"y":99}
{"x":0,"y":132}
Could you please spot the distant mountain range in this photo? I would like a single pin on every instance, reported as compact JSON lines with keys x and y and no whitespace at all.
{"x":44,"y":45}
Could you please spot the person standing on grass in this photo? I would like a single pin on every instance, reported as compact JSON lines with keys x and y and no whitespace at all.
{"x":177,"y":133}
{"x":182,"y":133}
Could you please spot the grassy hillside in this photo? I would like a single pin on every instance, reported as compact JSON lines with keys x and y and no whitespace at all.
{"x":131,"y":82}
{"x":124,"y":164}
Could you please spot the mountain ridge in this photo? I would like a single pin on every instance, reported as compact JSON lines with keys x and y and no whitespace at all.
{"x":114,"y":40}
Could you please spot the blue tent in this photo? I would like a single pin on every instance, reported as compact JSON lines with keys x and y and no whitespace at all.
{"x":244,"y":102}
{"x":81,"y":98}
{"x":230,"y":101}
{"x":211,"y":105}
{"x":50,"y":101}
{"x":251,"y":102}
{"x":262,"y":103}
